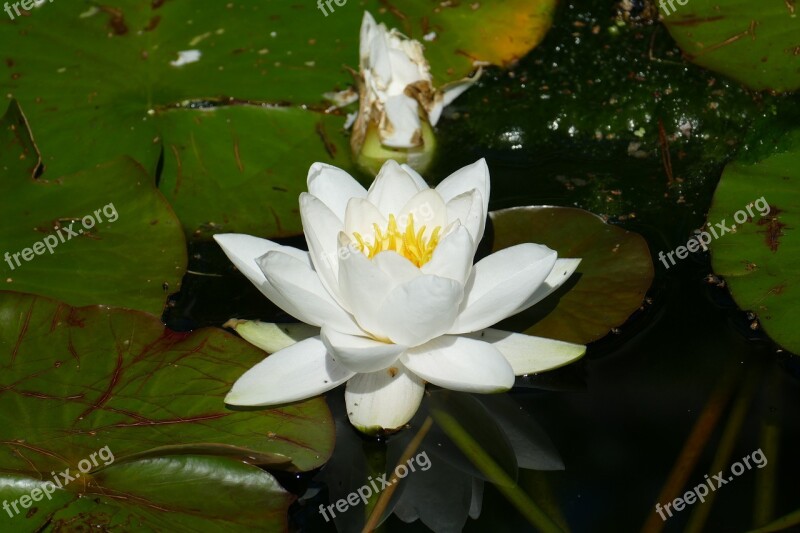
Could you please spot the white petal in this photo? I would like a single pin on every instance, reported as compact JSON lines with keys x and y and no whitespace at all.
{"x":364,"y":286}
{"x":360,"y":354}
{"x":303,"y":289}
{"x":501,"y":282}
{"x":529,"y":355}
{"x":467,"y":208}
{"x":401,"y":126}
{"x":321,"y":227}
{"x":474,"y":176}
{"x":272,"y":337}
{"x":403,"y":56}
{"x":452,"y":257}
{"x":295,"y":373}
{"x":418,"y":179}
{"x":398,"y":268}
{"x":243,"y":250}
{"x":368,"y":30}
{"x":392,"y":188}
{"x":426,"y":208}
{"x":446,"y":94}
{"x":384,"y":400}
{"x":334,"y":187}
{"x":361,"y":216}
{"x":562,"y":271}
{"x":459,"y":363}
{"x":419,"y":310}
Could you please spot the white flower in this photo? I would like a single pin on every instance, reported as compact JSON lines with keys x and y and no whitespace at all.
{"x":395,"y":81}
{"x":389,"y":280}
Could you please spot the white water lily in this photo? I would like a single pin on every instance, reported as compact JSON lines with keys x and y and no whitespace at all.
{"x":389,"y":281}
{"x":395,"y":89}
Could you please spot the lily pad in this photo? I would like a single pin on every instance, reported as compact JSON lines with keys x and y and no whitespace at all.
{"x":610,"y":284}
{"x":760,"y":260}
{"x":83,"y":379}
{"x":235,"y":159}
{"x":752,"y":42}
{"x":77,"y":238}
{"x":122,"y":69}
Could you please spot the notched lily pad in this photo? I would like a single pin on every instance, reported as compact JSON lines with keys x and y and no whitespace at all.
{"x":79,"y":238}
{"x":760,"y":261}
{"x":610,"y":284}
{"x":84,"y":379}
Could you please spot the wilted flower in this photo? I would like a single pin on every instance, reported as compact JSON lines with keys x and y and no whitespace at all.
{"x":398,"y":103}
{"x":389,"y":280}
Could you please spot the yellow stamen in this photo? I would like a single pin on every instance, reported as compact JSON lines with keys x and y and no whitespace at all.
{"x":410,"y":244}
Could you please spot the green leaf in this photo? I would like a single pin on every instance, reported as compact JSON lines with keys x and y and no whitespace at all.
{"x":166,"y":493}
{"x":760,"y":260}
{"x":113,"y":69}
{"x":116,"y":213}
{"x":76,"y":380}
{"x":752,"y":42}
{"x":610,"y":284}
{"x":241,"y":169}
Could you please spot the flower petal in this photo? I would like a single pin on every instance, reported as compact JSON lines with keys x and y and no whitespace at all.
{"x":364,"y":286}
{"x":452,"y":257}
{"x":243,"y":250}
{"x":396,"y":267}
{"x":474,"y":176}
{"x":460,"y":363}
{"x":500,"y":283}
{"x":562,"y":271}
{"x":467,"y":209}
{"x":446,"y":94}
{"x":416,"y":176}
{"x":401,"y":126}
{"x":359,"y":354}
{"x":295,"y":373}
{"x":360,"y":216}
{"x":384,"y":400}
{"x":272,"y":337}
{"x":322,"y":227}
{"x":303,"y":289}
{"x":392,"y":188}
{"x":334,"y":187}
{"x":529,"y":355}
{"x":427,"y":209}
{"x":419,"y":310}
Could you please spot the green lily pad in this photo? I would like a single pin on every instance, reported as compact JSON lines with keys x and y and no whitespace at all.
{"x":83,"y":379}
{"x":753,"y":42}
{"x":760,"y":260}
{"x":120,"y":70}
{"x":609,"y":285}
{"x":242,"y":169}
{"x":115,"y":214}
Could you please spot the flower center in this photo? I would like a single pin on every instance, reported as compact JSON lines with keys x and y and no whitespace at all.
{"x":411,"y":244}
